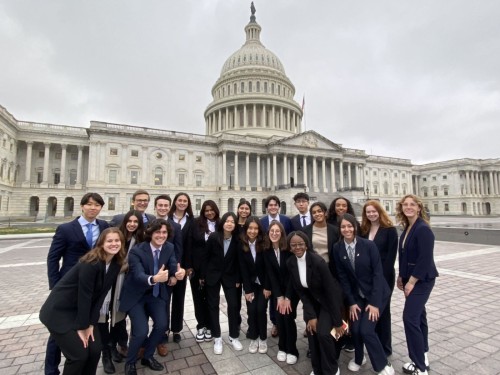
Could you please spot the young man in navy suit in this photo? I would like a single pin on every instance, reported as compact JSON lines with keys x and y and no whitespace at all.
{"x":71,"y":241}
{"x":140,"y":201}
{"x":303,"y":218}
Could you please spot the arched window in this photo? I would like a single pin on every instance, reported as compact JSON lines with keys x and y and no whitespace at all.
{"x":242,"y":87}
{"x":258,"y":86}
{"x":250,"y":87}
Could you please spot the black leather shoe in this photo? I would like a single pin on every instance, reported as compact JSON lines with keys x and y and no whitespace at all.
{"x":152,"y":363}
{"x":177,"y":338}
{"x":107,"y":363}
{"x":115,"y":355}
{"x":308,"y":354}
{"x":130,"y":369}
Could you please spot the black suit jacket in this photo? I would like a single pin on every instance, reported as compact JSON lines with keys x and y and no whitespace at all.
{"x":252,"y":269}
{"x":284,"y":220}
{"x":74,"y":303}
{"x":68,"y":244}
{"x":367,"y":276}
{"x":198,"y":247}
{"x":183,"y":234}
{"x":386,"y":240}
{"x":141,"y":267}
{"x":216,"y":267}
{"x":278,"y":275}
{"x":322,"y":289}
{"x":296,"y":222}
{"x":416,"y":258}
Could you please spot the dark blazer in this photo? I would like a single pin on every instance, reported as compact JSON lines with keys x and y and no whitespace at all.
{"x":284,"y":220}
{"x":216,"y":267}
{"x":74,"y":303}
{"x":332,"y":234}
{"x":416,"y":258}
{"x":296,"y":222}
{"x":252,"y":269}
{"x":141,"y":267}
{"x":322,"y":291}
{"x":278,"y":275}
{"x":184,"y":236}
{"x":386,"y":240}
{"x":367,"y":276}
{"x":198,"y":247}
{"x":117,"y":219}
{"x":69,"y":243}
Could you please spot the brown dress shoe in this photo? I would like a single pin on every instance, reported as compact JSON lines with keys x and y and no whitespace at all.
{"x":162,"y":349}
{"x":274,"y":331}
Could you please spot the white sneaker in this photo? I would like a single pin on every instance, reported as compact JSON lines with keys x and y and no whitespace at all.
{"x":353,"y":366}
{"x":218,"y":346}
{"x":208,"y":335}
{"x":254,"y":346}
{"x":388,"y":370}
{"x":409,"y":367}
{"x":281,"y":356}
{"x":200,"y":336}
{"x":262,"y":346}
{"x":236,"y":344}
{"x":291,"y":359}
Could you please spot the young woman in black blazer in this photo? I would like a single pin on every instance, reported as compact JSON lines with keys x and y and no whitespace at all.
{"x":321,"y":297}
{"x":286,"y":299}
{"x":255,"y":283}
{"x":220,"y":267}
{"x":377,"y":227}
{"x":72,"y":309}
{"x":203,"y":227}
{"x":360,"y":273}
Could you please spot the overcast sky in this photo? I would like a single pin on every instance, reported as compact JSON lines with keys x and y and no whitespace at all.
{"x":409,"y":79}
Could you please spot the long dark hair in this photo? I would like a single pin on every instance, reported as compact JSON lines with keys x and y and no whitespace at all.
{"x":189,"y":209}
{"x":99,"y":254}
{"x":139,"y":232}
{"x":202,"y":219}
{"x":259,"y":241}
{"x":351,"y":219}
{"x":332,"y":215}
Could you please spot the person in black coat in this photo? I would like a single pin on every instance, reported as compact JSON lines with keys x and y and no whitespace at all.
{"x":417,"y":276}
{"x":321,"y":297}
{"x":255,"y":283}
{"x":360,"y":273}
{"x":71,"y":311}
{"x":220,"y":267}
{"x":377,"y":227}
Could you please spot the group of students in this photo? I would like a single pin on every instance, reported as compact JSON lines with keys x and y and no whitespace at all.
{"x":341,"y":270}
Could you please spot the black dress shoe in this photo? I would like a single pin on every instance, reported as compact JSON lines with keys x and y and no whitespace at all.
{"x":152,"y":363}
{"x":116,"y":356}
{"x":130,"y":369}
{"x":177,"y":338}
{"x":107,"y":363}
{"x":308,"y":354}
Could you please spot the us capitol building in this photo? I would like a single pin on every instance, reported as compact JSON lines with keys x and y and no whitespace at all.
{"x":254,"y":145}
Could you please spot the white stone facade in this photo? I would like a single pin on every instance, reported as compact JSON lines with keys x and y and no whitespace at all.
{"x":254,"y":146}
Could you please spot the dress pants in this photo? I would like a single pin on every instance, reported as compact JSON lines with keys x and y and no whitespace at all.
{"x":233,"y":314}
{"x":257,"y":315}
{"x":79,"y":360}
{"x":118,"y":334}
{"x":201,"y":312}
{"x":415,"y":322}
{"x":287,"y":341}
{"x":52,"y":357}
{"x":325,"y":350}
{"x":178,"y":296}
{"x":384,"y":324}
{"x":148,"y":306}
{"x":272,"y":311}
{"x":363,"y":331}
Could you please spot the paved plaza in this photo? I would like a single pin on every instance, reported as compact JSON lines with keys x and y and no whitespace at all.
{"x":463,"y":311}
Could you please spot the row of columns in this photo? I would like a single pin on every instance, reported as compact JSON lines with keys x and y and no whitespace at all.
{"x":482,"y":183}
{"x":271,"y":116}
{"x":46,"y":160}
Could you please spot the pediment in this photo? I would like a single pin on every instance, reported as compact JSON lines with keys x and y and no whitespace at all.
{"x":309,"y":139}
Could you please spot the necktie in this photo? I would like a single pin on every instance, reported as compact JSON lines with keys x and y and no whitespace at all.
{"x":145,"y":218}
{"x":350,"y":252}
{"x":89,"y":236}
{"x":304,"y":221}
{"x":156,"y":287}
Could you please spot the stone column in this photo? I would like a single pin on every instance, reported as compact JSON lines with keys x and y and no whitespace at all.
{"x":315,"y":173}
{"x":79,"y":166}
{"x":226,"y":120}
{"x":304,"y":167}
{"x":482,"y":184}
{"x":273,"y":117}
{"x":295,"y":180}
{"x":236,"y":174}
{"x":224,"y":168}
{"x":495,"y":179}
{"x":263,"y":117}
{"x":323,"y":175}
{"x":258,"y":172}
{"x":490,"y":181}
{"x":247,"y":171}
{"x":29,"y":151}
{"x":476,"y":178}
{"x":281,"y":118}
{"x":467,"y":183}
{"x":62,"y":180}
{"x":45,"y":179}
{"x":349,"y":176}
{"x":268,"y":167}
{"x":332,"y":177}
{"x":275,"y":170}
{"x":236,"y":117}
{"x":341,"y":171}
{"x":245,"y":116}
{"x":254,"y":116}
{"x":285,"y":169}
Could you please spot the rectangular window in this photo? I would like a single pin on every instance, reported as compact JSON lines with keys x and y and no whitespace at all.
{"x":446,"y":207}
{"x":134,"y":153}
{"x":433,"y":178}
{"x":39,"y":177}
{"x":198,"y":159}
{"x":436,"y":207}
{"x":199,"y":179}
{"x":403,"y":175}
{"x":435,"y":192}
{"x":113,"y":151}
{"x":41,"y":154}
{"x":374,"y":173}
{"x":198,"y":204}
{"x":111,"y":203}
{"x":74,"y":156}
{"x":445,"y":177}
{"x":113,"y":173}
{"x":425,"y":193}
{"x":445,"y":191}
{"x":57,"y":178}
{"x":182,"y":178}
{"x":58,"y":156}
{"x":182,"y":157}
{"x":424,"y":179}
{"x":134,"y":177}
{"x":395,"y":174}
{"x":72,"y":177}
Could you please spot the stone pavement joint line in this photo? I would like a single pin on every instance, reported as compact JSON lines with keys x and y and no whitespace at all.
{"x":469,"y":275}
{"x":15,"y":247}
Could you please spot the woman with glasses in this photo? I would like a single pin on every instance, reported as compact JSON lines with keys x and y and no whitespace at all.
{"x":322,"y":300}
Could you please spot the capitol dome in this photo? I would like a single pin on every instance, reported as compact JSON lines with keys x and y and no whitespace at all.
{"x":253,"y":95}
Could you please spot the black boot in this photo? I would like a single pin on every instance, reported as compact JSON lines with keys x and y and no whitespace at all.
{"x":115,"y":355}
{"x":107,"y":363}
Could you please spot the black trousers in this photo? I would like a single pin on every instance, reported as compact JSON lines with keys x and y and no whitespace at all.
{"x":287,"y":328}
{"x":257,"y":315}
{"x":201,"y":311}
{"x":177,"y":297}
{"x":79,"y":360}
{"x":384,"y":324}
{"x":233,"y":314}
{"x":325,"y":350}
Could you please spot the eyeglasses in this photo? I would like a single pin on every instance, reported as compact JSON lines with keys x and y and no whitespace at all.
{"x":297,"y":245}
{"x":142,"y":200}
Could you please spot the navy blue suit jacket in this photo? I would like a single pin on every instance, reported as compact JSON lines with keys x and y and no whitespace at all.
{"x":68,"y":244}
{"x":296,"y":222}
{"x":141,"y":267}
{"x":416,"y":258}
{"x":367,"y":276}
{"x":284,"y":220}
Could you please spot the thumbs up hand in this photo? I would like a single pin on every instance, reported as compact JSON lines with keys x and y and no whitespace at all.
{"x":180,"y":273}
{"x":162,"y":275}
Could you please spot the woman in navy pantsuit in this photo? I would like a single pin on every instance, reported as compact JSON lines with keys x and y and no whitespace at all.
{"x":360,"y":274}
{"x":417,"y":276}
{"x":377,"y":227}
